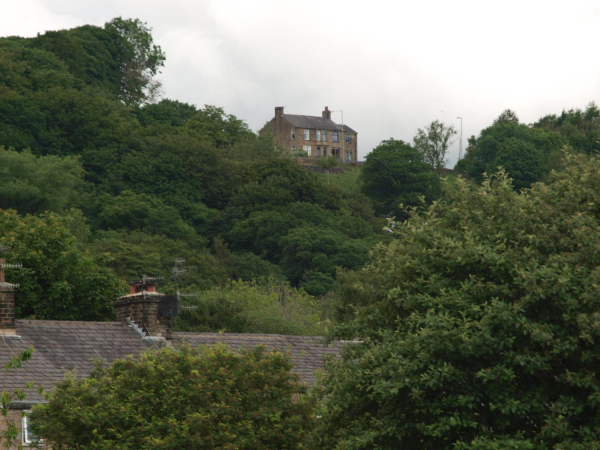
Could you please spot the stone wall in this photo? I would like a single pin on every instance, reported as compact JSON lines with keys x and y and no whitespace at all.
{"x":143,"y":310}
{"x":7,"y":313}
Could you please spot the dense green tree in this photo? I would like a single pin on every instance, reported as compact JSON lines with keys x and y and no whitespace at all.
{"x":206,"y":398}
{"x":581,"y":128}
{"x":143,"y":212}
{"x":166,"y":112}
{"x":481,"y":328}
{"x":507,"y":116}
{"x":248,"y":307}
{"x":527,"y":152}
{"x":58,"y":281}
{"x":30,"y":184}
{"x":89,"y":52}
{"x":433,"y":142}
{"x":138,"y":60}
{"x":395,"y":173}
{"x":134,"y":253}
{"x":214,"y":125}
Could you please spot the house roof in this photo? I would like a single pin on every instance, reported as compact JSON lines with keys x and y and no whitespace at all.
{"x":61,"y":346}
{"x":315,"y":122}
{"x":307,"y":352}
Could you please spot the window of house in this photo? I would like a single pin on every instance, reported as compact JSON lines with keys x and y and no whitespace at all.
{"x":28,"y":437}
{"x":293,"y":134}
{"x":349,"y":138}
{"x":318,"y":135}
{"x":349,"y":155}
{"x":318,"y":151}
{"x":324,"y":151}
{"x":293,"y":148}
{"x":324,"y":136}
{"x":306,"y":135}
{"x":335,"y":136}
{"x":307,"y":149}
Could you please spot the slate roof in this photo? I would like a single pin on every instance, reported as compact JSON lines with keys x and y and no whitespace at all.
{"x":307,"y":352}
{"x":318,"y":123}
{"x":61,"y":346}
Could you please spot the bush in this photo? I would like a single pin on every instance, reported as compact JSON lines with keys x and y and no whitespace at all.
{"x":204,"y":398}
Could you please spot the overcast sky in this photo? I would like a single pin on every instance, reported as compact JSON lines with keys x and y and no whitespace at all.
{"x":391,"y":66}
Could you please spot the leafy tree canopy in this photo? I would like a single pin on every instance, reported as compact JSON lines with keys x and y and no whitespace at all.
{"x":58,"y":280}
{"x":205,"y":397}
{"x":526,"y":151}
{"x":249,"y":307}
{"x":138,"y":60}
{"x":581,"y":128}
{"x":482,"y":325}
{"x":30,"y":184}
{"x":395,"y":173}
{"x":433,"y":142}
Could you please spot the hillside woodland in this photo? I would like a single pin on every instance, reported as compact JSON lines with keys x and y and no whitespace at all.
{"x":101,"y":183}
{"x":470,"y":299}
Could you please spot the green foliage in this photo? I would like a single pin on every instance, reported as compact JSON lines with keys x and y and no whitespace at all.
{"x":214,"y":125}
{"x":248,"y":307}
{"x":580,"y":128}
{"x":9,"y":433}
{"x":327,"y":163}
{"x":58,"y":280}
{"x":143,"y":212}
{"x":395,"y":174}
{"x":30,"y":184}
{"x":166,"y":112}
{"x":162,"y":180}
{"x":138,"y":60}
{"x":482,"y":325}
{"x":433,"y":142}
{"x":135,"y":252}
{"x":526,"y":153}
{"x":207,"y":398}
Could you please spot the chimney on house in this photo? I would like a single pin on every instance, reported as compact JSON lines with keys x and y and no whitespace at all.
{"x":7,"y":299}
{"x":326,"y":113}
{"x":141,"y":306}
{"x":278,"y":112}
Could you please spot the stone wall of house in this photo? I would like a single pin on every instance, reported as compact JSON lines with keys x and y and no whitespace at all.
{"x":143,"y":310}
{"x":14,"y":416}
{"x":7,"y":312}
{"x":281,"y":130}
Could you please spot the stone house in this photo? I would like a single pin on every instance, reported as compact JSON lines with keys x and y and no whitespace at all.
{"x":140,"y":325}
{"x":318,"y":137}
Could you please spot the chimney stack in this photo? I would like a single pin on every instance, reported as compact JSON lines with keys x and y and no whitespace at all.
{"x":141,"y":306}
{"x":278,"y":112}
{"x":7,"y":300}
{"x":327,"y":113}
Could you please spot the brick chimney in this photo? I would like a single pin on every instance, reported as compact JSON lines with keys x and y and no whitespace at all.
{"x":141,"y":307}
{"x":326,"y":113}
{"x":7,"y":304}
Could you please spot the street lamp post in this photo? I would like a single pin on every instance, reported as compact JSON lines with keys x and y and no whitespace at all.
{"x":460,"y":142}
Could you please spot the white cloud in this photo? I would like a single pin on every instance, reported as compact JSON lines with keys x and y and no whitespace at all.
{"x":391,"y":66}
